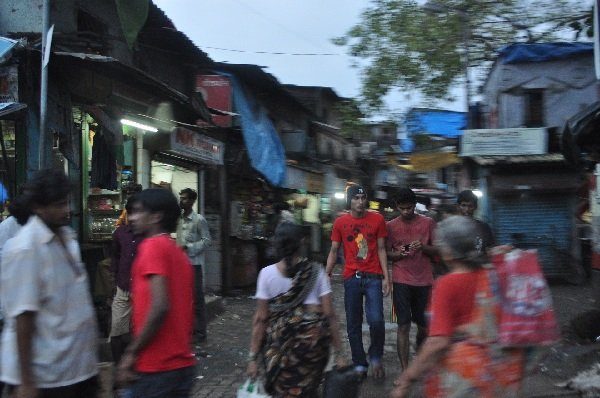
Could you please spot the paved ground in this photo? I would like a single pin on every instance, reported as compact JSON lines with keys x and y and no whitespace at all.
{"x":222,"y":371}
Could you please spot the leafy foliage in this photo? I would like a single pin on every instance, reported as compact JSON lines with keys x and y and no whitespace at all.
{"x":402,"y":44}
{"x":351,"y":120}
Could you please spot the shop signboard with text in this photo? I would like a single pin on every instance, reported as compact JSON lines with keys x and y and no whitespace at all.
{"x":197,"y":146}
{"x":504,"y":142}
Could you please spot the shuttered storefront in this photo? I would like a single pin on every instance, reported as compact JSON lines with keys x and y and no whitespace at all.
{"x":543,"y":221}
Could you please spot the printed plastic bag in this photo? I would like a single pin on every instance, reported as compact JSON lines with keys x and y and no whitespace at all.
{"x":526,"y":317}
{"x":252,"y":389}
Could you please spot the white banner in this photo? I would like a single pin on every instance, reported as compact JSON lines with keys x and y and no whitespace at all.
{"x":517,"y":141}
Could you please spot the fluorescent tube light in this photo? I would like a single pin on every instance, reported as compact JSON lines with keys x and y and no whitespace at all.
{"x":140,"y":126}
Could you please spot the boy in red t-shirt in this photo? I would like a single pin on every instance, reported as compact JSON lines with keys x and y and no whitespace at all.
{"x":162,"y":303}
{"x":410,"y":249}
{"x":362,"y":234}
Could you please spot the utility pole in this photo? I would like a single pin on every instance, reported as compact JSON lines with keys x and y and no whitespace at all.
{"x":44,"y":84}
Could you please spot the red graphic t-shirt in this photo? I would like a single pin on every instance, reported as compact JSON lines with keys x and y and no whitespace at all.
{"x":171,"y":347}
{"x":414,"y":269}
{"x":358,"y":237}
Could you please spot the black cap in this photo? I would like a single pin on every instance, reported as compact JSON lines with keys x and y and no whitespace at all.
{"x":354,"y":190}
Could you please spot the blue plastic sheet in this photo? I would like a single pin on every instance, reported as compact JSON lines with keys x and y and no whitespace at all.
{"x":436,"y":122}
{"x":265,"y":149}
{"x":540,"y":52}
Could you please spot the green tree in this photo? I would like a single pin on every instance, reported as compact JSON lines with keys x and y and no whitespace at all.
{"x":351,"y":119}
{"x":402,"y":44}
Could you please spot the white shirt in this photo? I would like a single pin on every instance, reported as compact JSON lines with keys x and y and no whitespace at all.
{"x":41,"y":275}
{"x":271,"y":283}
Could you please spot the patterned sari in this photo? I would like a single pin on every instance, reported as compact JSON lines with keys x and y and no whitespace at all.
{"x":296,"y":349}
{"x":475,"y":365}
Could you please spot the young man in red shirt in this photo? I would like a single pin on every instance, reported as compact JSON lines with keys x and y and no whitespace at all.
{"x":362,"y":234}
{"x":162,"y":303}
{"x":409,"y":246}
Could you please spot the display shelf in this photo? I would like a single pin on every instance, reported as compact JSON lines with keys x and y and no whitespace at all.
{"x":104,"y":192}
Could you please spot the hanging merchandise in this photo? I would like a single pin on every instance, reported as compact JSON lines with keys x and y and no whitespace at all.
{"x":104,"y":165}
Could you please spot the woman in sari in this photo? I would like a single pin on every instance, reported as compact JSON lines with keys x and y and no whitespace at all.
{"x":461,"y":356}
{"x":295,"y":324}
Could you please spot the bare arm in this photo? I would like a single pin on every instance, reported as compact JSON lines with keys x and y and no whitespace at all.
{"x":332,"y":257}
{"x":159,"y":307}
{"x":259,"y":327}
{"x":429,"y":355}
{"x":381,"y":252}
{"x":25,"y":330}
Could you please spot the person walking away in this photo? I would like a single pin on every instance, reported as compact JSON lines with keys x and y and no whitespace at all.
{"x":49,"y":341}
{"x":467,"y":204}
{"x":124,"y":246}
{"x":410,"y":249}
{"x":461,"y":356}
{"x":295,"y":322}
{"x":159,"y":361}
{"x":362,"y":234}
{"x":193,"y":237}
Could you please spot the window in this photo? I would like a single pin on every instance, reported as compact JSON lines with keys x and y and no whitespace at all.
{"x":534,"y":108}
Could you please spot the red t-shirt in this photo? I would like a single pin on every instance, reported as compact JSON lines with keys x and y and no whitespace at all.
{"x":358,"y":237}
{"x":171,"y":347}
{"x":414,"y":269}
{"x":452,"y":302}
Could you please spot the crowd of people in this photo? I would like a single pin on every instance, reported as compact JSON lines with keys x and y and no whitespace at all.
{"x":49,"y":338}
{"x":50,"y":333}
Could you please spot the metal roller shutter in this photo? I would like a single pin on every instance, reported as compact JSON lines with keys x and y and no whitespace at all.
{"x":543,"y":222}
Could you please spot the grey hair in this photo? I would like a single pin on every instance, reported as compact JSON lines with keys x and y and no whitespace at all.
{"x":459,"y":235}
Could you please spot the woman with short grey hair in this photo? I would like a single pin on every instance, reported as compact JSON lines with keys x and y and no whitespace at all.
{"x":461,"y":356}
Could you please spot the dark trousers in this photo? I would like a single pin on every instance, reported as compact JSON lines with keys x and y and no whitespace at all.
{"x":87,"y":388}
{"x":171,"y":384}
{"x":199,"y":304}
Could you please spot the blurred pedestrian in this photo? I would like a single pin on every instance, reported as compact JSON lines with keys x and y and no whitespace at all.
{"x":193,"y":237}
{"x":49,"y":342}
{"x":461,"y":356}
{"x":362,"y":234}
{"x":129,"y":190}
{"x":467,"y":204}
{"x":159,"y":361}
{"x":410,"y":248}
{"x":124,"y":246}
{"x":295,"y":324}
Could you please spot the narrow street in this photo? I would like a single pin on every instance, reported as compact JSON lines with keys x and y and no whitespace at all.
{"x":223,"y":371}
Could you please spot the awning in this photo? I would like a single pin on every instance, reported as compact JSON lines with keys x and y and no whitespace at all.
{"x":580,"y":135}
{"x":7,"y":108}
{"x":6,"y":46}
{"x":424,"y":162}
{"x":116,"y":69}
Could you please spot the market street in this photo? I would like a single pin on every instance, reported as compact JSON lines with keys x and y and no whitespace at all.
{"x":220,"y":374}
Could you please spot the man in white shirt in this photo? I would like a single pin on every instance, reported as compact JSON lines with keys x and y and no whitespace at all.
{"x":193,"y":237}
{"x":49,"y":340}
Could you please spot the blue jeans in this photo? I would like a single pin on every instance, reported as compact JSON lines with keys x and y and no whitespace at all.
{"x":171,"y":384}
{"x":354,"y":291}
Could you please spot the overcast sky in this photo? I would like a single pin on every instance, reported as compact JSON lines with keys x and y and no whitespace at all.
{"x":248,"y":27}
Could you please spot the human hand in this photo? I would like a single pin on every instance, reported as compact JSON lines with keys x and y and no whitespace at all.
{"x":386,"y":287}
{"x":416,"y":245}
{"x":252,"y":370}
{"x":27,"y":391}
{"x":125,"y":373}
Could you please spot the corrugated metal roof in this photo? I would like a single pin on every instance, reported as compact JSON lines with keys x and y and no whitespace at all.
{"x":495,"y":160}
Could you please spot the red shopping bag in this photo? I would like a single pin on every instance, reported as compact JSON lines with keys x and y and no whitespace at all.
{"x":527,"y":317}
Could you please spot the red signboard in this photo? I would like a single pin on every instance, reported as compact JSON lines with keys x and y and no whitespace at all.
{"x":216,"y":91}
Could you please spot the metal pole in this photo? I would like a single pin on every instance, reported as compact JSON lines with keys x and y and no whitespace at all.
{"x":43,"y":86}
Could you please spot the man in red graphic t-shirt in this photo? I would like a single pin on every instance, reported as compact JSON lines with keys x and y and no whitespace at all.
{"x":362,"y":234}
{"x":409,"y":247}
{"x":162,"y":303}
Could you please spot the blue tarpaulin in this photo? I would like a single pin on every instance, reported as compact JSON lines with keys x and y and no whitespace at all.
{"x":540,"y":52}
{"x":447,"y":124}
{"x":265,"y":149}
